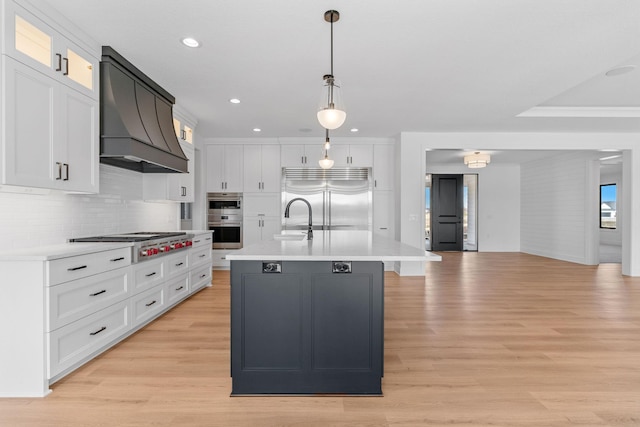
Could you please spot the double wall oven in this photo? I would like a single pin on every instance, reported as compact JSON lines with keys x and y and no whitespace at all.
{"x":224,"y":218}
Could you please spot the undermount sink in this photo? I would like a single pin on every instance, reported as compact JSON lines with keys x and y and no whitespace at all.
{"x":289,"y":236}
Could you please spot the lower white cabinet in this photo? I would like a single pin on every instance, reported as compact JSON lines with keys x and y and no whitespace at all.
{"x":178,"y":289}
{"x":92,"y":297}
{"x":74,"y":300}
{"x":148,"y":305}
{"x":76,"y":341}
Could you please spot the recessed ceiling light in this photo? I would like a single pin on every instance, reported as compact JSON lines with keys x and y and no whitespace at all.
{"x":257,"y":129}
{"x":620,"y":70}
{"x":190,"y":42}
{"x":354,"y":130}
{"x":234,"y":101}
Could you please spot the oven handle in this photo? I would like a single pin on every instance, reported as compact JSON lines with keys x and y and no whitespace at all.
{"x":225,"y":224}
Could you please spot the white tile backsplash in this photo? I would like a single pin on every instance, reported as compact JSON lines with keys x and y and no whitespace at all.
{"x":28,"y":220}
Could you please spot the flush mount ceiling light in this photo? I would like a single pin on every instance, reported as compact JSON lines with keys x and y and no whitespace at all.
{"x":477,"y":160}
{"x":234,"y":101}
{"x":326,"y":162}
{"x":331,"y":114}
{"x":190,"y":42}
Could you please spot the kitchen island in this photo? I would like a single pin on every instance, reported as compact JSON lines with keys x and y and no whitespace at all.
{"x":307,"y":316}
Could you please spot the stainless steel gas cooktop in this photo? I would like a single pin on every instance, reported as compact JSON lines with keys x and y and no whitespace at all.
{"x":146,"y":244}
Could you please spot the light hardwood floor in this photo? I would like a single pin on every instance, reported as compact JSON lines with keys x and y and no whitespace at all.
{"x":488,"y":339}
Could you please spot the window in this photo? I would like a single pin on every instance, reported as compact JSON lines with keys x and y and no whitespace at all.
{"x":608,"y":206}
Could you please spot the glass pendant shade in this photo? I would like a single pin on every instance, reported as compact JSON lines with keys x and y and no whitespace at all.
{"x":331,"y":113}
{"x":325,"y":163}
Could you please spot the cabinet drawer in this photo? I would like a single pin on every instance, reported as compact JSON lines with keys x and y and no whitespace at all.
{"x":76,"y":267}
{"x":147,"y":275}
{"x":177,"y":264}
{"x":177,"y":289}
{"x":200,"y":277}
{"x":74,"y":342}
{"x":148,"y":305}
{"x":200,"y":256}
{"x":71,"y":301}
{"x":202,"y":240}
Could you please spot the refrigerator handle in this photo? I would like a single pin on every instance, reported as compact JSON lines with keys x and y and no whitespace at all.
{"x":324,"y":210}
{"x":329,"y":208}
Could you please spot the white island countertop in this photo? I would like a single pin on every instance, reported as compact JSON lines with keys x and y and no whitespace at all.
{"x":333,"y":246}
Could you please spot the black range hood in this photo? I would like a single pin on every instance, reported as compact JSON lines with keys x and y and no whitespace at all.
{"x":136,"y":119}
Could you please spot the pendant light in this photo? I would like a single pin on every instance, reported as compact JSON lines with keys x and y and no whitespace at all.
{"x":331,"y":114}
{"x":326,"y":162}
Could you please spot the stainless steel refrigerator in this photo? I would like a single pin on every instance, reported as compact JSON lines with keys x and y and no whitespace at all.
{"x":340,"y":198}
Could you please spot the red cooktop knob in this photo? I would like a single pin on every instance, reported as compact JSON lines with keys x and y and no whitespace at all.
{"x":178,"y":245}
{"x":189,"y":243}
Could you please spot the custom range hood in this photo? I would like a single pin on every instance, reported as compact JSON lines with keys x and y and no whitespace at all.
{"x":136,"y":119}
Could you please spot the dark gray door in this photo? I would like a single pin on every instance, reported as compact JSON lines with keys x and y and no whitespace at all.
{"x":447,"y":207}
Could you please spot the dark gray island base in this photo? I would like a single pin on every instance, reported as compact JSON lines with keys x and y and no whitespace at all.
{"x":298,"y":327}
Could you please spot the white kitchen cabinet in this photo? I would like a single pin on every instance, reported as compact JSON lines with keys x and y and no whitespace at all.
{"x":33,"y":39}
{"x":184,"y":129}
{"x":69,"y":303}
{"x":147,"y":305}
{"x":78,"y":341}
{"x":260,"y":228}
{"x":224,"y":166}
{"x":50,"y":134}
{"x":353,"y":155}
{"x":177,"y":187}
{"x":383,"y":167}
{"x":301,"y":155}
{"x":219,"y":258}
{"x":261,"y":217}
{"x":262,"y":171}
{"x":383,"y":213}
{"x":200,"y":262}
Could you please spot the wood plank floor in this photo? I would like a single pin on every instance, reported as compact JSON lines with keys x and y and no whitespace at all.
{"x":488,"y":339}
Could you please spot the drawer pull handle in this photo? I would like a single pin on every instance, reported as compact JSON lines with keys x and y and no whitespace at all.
{"x":202,"y":256}
{"x":150,"y":274}
{"x":117,"y":259}
{"x":76,"y":268}
{"x":98,"y":331}
{"x":196,"y":241}
{"x":151,"y":303}
{"x":181,"y":287}
{"x":98,"y":293}
{"x":203,"y":276}
{"x":179,"y":264}
{"x":208,"y":238}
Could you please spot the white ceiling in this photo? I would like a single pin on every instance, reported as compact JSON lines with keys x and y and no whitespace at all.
{"x":410,"y":65}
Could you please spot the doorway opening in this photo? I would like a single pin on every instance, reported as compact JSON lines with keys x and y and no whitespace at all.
{"x":451,"y":212}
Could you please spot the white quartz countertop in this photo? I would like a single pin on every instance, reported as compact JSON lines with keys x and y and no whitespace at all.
{"x":333,"y":246}
{"x":64,"y":250}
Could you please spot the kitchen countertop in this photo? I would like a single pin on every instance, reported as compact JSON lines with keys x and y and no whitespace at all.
{"x":64,"y":250}
{"x":333,"y":246}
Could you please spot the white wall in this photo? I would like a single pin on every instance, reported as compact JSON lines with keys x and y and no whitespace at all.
{"x":613,"y":175}
{"x":29,"y":220}
{"x":498,"y":204}
{"x":555,"y":196}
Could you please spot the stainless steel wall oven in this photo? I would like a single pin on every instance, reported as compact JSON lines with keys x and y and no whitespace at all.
{"x":224,"y":218}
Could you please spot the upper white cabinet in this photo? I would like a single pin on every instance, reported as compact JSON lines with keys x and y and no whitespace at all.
{"x":177,"y":187}
{"x":34,"y":42}
{"x":50,"y":133}
{"x":184,"y":129}
{"x":224,"y":165}
{"x":262,"y":168}
{"x":351,"y":155}
{"x":301,"y":155}
{"x":383,"y":166}
{"x":50,"y":107}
